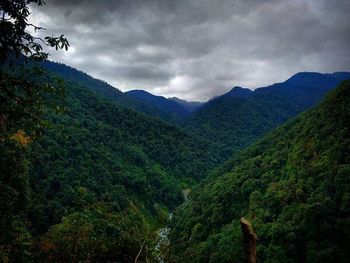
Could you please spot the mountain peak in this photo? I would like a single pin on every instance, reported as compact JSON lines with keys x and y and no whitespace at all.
{"x":141,"y":92}
{"x":304,"y":76}
{"x":315,"y":79}
{"x":164,"y":105}
{"x":238,"y":92}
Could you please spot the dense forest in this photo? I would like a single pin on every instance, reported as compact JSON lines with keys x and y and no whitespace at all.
{"x":158,"y":110}
{"x":89,"y":173}
{"x":294,"y":187}
{"x":98,"y":155}
{"x":229,"y":122}
{"x":239,"y":117}
{"x":103,"y":179}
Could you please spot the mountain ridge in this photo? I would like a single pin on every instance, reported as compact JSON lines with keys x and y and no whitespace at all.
{"x":164,"y":104}
{"x":189,"y":105}
{"x":234,"y":121}
{"x":292,"y":185}
{"x":108,"y":91}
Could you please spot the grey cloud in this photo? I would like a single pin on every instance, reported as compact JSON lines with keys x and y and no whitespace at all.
{"x":197,"y":49}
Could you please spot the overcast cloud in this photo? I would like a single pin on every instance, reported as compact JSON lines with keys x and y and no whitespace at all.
{"x":197,"y":49}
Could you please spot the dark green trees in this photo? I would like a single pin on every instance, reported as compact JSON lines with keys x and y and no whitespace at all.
{"x":293,"y":185}
{"x":240,"y":117}
{"x":99,"y":154}
{"x":22,"y":98}
{"x":15,"y":39}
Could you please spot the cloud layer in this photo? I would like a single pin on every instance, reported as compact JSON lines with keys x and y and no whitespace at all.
{"x":197,"y":49}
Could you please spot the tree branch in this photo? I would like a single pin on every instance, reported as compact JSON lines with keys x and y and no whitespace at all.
{"x":138,"y":254}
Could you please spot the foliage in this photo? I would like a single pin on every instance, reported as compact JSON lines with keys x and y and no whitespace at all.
{"x":102,"y":177}
{"x":168,"y":107}
{"x":239,"y":117}
{"x":22,"y":99}
{"x":97,"y":153}
{"x":98,"y":235}
{"x":14,"y":238}
{"x":15,"y":40}
{"x":111,"y":93}
{"x":294,"y":187}
{"x":22,"y":96}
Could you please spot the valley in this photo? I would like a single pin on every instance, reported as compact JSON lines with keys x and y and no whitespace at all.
{"x":108,"y":173}
{"x":174,"y":131}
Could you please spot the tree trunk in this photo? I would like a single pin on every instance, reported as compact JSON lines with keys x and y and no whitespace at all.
{"x":249,"y":241}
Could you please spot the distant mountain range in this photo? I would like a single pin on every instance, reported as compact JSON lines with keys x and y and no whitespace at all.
{"x":162,"y":103}
{"x":172,"y":110}
{"x":239,"y":117}
{"x":232,"y":120}
{"x":110,"y":92}
{"x":238,"y":92}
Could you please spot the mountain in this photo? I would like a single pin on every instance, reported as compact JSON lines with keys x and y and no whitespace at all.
{"x":306,"y":88}
{"x":238,"y":92}
{"x":167,"y":106}
{"x":190,"y":106}
{"x":239,"y":117}
{"x":96,"y":179}
{"x":106,"y":90}
{"x":293,"y":185}
{"x":107,"y":174}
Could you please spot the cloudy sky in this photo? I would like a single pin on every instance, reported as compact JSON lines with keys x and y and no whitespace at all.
{"x":197,"y":49}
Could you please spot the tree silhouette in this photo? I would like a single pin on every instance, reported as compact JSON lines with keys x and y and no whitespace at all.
{"x":15,"y":40}
{"x":24,"y":90}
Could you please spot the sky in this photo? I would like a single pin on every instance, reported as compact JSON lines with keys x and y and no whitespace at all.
{"x":198,"y":49}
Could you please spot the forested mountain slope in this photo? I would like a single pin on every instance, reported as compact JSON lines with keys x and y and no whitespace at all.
{"x":170,"y":107}
{"x":239,"y":117}
{"x":293,"y":185}
{"x":103,"y":88}
{"x":101,"y":165}
{"x":190,"y":106}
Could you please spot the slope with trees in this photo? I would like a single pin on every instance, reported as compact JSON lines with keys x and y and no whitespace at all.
{"x":163,"y":104}
{"x":92,"y":183}
{"x":190,"y":106}
{"x":293,"y":185}
{"x":21,"y":103}
{"x":239,"y":117}
{"x":98,"y":161}
{"x":109,"y":92}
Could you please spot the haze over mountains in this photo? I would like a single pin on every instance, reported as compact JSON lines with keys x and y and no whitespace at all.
{"x":230,"y":121}
{"x":190,"y":106}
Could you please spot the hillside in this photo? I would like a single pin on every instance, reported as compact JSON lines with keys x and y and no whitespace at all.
{"x":239,"y":117}
{"x":293,"y":185}
{"x":95,"y":169}
{"x":166,"y":106}
{"x":100,"y":164}
{"x":238,"y":92}
{"x":109,"y":92}
{"x":190,"y":106}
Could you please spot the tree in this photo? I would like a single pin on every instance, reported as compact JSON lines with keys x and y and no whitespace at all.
{"x":23,"y":92}
{"x":15,"y":40}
